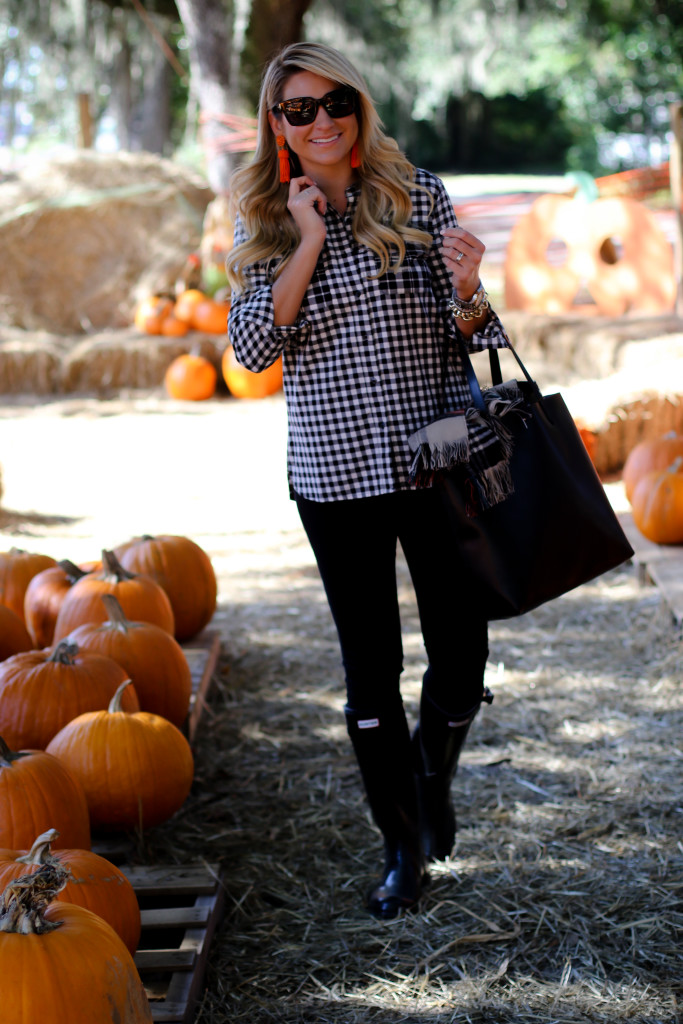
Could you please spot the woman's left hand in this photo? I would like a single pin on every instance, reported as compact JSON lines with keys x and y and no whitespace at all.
{"x":462,"y":253}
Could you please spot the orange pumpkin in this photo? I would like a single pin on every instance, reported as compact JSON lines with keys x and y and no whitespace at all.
{"x":191,"y":377}
{"x":40,"y":691}
{"x":136,"y":769}
{"x":140,"y":597}
{"x":184,"y":570}
{"x":17,"y":569}
{"x":657,"y":504}
{"x":647,"y":456}
{"x":148,"y":655}
{"x":94,"y":883}
{"x":185,"y":305}
{"x":211,"y":316}
{"x":43,"y":599}
{"x":37,"y":792}
{"x":14,"y":637}
{"x":243,"y":383}
{"x":172,"y":327}
{"x":151,"y":313}
{"x":62,"y":962}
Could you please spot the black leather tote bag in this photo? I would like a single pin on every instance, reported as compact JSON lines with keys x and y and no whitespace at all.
{"x":556,"y":531}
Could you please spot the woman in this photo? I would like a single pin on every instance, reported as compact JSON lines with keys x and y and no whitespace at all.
{"x":349,"y":262}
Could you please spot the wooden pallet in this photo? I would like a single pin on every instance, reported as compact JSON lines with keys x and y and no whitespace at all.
{"x":660,"y":564}
{"x":202,"y":654}
{"x":181,"y":907}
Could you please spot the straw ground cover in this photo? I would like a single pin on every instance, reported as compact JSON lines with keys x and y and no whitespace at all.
{"x":562,"y":901}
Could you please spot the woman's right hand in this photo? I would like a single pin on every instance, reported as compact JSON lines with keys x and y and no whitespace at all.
{"x":308,"y":204}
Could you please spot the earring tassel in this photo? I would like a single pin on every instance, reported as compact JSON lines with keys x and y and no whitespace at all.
{"x":283,"y":157}
{"x":355,"y":155}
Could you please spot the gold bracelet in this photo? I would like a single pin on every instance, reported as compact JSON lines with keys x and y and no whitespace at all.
{"x":469,"y":310}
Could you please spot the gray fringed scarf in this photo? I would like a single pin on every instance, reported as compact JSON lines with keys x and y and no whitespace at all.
{"x":446,"y":442}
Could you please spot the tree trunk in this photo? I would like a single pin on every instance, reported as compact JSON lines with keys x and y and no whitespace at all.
{"x":272,"y":26}
{"x":154,"y":115}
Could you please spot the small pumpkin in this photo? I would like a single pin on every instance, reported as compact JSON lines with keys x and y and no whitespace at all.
{"x":185,"y":304}
{"x":136,"y":769}
{"x":94,"y":883}
{"x":149,"y":656}
{"x":140,"y":597}
{"x":151,"y":313}
{"x":656,"y":453}
{"x":183,"y":569}
{"x":14,"y":637}
{"x":243,"y":383}
{"x":43,"y":599}
{"x":38,"y":792}
{"x":172,"y":327}
{"x":657,"y":504}
{"x":211,"y":316}
{"x":17,"y":569}
{"x":62,"y":962}
{"x":191,"y":378}
{"x":40,"y":691}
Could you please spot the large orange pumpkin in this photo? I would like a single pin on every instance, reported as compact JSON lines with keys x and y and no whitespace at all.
{"x":40,"y":691}
{"x":183,"y":569}
{"x":657,"y":504}
{"x":43,"y":599}
{"x":61,"y":962}
{"x":191,"y":378}
{"x":136,"y":769}
{"x":17,"y":569}
{"x":94,"y":883}
{"x":140,"y":597}
{"x":38,"y":792}
{"x":14,"y":637}
{"x":243,"y":383}
{"x":149,"y":656}
{"x":647,"y":456}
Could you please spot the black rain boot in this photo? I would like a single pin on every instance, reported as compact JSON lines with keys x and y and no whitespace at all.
{"x":382,"y":747}
{"x":437,"y":743}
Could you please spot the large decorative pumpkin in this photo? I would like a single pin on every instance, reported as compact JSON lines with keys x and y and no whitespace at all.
{"x":191,"y":378}
{"x":38,"y":792}
{"x":61,"y":962}
{"x":43,"y":599}
{"x":93,"y":883}
{"x":136,"y":769}
{"x":243,"y":383}
{"x":17,"y":569}
{"x":149,"y":656}
{"x":647,"y":456}
{"x":14,"y":636}
{"x":183,"y":569}
{"x":40,"y":691}
{"x":140,"y":597}
{"x":657,"y":504}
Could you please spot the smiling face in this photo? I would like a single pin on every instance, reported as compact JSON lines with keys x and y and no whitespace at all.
{"x":324,"y":146}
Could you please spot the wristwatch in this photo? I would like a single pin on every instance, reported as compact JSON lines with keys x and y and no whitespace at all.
{"x":472,"y":309}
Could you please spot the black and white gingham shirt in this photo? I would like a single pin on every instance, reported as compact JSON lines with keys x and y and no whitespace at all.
{"x":369,"y":359}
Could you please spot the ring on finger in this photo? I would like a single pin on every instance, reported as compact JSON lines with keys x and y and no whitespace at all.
{"x":459,"y":257}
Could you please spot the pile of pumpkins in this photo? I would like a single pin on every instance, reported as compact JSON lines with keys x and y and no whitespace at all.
{"x":653,"y":483}
{"x":94,"y":691}
{"x":191,"y":376}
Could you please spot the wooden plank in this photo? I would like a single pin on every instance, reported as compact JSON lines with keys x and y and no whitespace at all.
{"x":174,"y":879}
{"x":164,"y":960}
{"x":202,"y":655}
{"x":667,"y":575}
{"x":174,"y":917}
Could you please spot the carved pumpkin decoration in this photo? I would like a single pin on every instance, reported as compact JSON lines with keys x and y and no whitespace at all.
{"x":94,"y":883}
{"x":191,"y":378}
{"x":37,"y":792}
{"x":17,"y":569}
{"x":613,"y":247}
{"x":14,"y":637}
{"x":136,"y":769}
{"x":647,"y":456}
{"x":184,"y":570}
{"x":140,"y":597}
{"x":657,"y":504}
{"x":149,"y":656}
{"x":62,"y":962}
{"x":40,"y":691}
{"x":43,"y":599}
{"x":243,"y":383}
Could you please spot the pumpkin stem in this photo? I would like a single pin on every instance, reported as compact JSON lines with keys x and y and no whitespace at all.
{"x":675,"y":466}
{"x":115,"y":702}
{"x":115,"y":612}
{"x":64,"y":653}
{"x":25,"y":900}
{"x":40,"y":852}
{"x":7,"y":756}
{"x":112,"y":567}
{"x":73,"y":572}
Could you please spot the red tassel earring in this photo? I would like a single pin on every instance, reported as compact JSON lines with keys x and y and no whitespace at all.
{"x":283,"y":157}
{"x":355,"y":155}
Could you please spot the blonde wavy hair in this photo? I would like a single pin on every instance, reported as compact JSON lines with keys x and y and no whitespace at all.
{"x":382,"y":215}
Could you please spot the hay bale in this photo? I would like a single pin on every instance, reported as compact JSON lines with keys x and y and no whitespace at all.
{"x":83,"y":237}
{"x":30,"y":363}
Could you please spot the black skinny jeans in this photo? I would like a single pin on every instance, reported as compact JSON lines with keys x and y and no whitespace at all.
{"x":354,"y":543}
